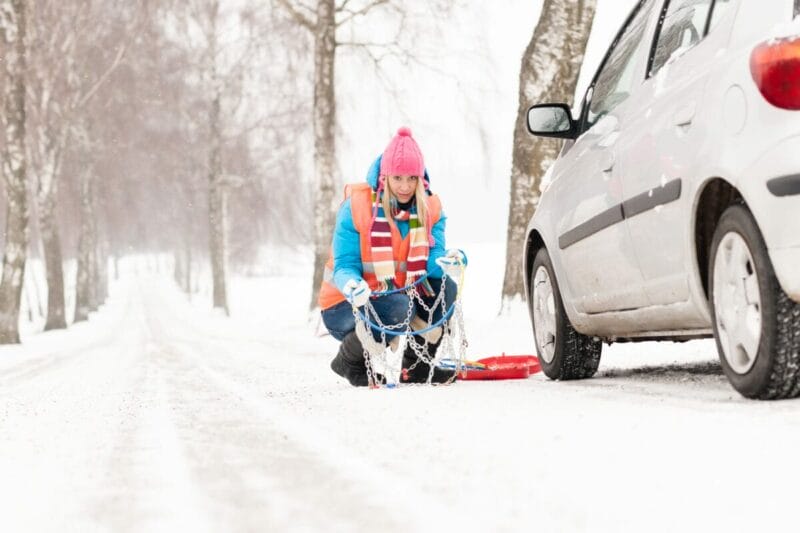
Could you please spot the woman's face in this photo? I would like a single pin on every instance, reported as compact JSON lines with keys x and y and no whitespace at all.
{"x":403,"y":187}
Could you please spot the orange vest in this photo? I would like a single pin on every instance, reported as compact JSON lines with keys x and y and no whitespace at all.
{"x":360,"y":195}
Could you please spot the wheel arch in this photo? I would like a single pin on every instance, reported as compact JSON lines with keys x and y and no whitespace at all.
{"x":533,"y":243}
{"x":712,"y":199}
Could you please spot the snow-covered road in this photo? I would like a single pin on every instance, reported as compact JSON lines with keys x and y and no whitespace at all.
{"x":160,"y":416}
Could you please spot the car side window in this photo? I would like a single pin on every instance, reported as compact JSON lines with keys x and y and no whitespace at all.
{"x":683,"y":27}
{"x":617,"y":78}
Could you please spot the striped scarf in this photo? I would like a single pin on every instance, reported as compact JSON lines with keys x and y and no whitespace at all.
{"x":381,"y":243}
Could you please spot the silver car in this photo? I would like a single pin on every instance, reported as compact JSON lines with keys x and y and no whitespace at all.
{"x":673,"y":209}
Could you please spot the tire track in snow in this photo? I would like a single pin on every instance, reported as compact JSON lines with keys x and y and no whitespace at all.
{"x":309,"y":480}
{"x":260,"y":475}
{"x":151,"y":486}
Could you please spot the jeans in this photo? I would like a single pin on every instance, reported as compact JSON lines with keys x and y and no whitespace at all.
{"x":391,"y":309}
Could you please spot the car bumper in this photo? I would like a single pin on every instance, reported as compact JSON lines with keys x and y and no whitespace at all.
{"x":770,"y":198}
{"x":770,"y":189}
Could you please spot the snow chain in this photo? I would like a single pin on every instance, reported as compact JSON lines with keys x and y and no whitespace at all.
{"x":380,"y":355}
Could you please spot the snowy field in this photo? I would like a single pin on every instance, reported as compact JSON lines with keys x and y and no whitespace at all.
{"x":160,"y":415}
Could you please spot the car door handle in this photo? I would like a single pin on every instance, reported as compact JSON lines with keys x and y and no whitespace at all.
{"x":685,"y":115}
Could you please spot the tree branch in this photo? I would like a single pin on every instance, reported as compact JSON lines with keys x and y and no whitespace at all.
{"x":353,"y":14}
{"x":101,"y":80}
{"x":297,"y":16}
{"x":309,"y":9}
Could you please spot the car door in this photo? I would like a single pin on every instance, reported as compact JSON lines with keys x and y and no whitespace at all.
{"x":595,"y":247}
{"x":663,"y":144}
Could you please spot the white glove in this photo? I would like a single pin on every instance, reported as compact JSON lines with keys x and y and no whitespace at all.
{"x":357,"y":293}
{"x":452,"y":263}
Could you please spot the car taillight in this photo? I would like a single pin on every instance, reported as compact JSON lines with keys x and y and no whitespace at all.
{"x":775,"y":67}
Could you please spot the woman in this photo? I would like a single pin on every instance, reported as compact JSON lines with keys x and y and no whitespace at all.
{"x":389,"y":233}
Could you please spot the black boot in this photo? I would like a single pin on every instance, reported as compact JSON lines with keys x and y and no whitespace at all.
{"x":415,"y":370}
{"x":349,"y":362}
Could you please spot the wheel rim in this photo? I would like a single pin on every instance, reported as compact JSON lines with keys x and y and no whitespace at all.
{"x":544,"y":314}
{"x":737,"y":303}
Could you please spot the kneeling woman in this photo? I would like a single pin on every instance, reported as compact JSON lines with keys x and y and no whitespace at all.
{"x":389,"y":232}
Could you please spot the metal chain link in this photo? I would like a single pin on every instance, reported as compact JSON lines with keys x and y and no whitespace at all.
{"x":453,"y":341}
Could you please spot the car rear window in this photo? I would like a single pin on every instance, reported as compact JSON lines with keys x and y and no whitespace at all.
{"x":683,"y":27}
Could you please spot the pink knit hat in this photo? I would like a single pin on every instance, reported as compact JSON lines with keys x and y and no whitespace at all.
{"x":402,"y":157}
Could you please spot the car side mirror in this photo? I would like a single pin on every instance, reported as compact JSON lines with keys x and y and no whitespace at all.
{"x":552,"y":120}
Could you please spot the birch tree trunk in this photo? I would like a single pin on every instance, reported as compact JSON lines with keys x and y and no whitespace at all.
{"x":324,"y":139}
{"x":51,"y":246}
{"x":186,"y":281}
{"x":12,"y":41}
{"x":183,"y":251}
{"x":51,"y":64}
{"x":101,"y":271}
{"x":95,"y":290}
{"x":217,"y":212}
{"x":51,"y":143}
{"x":549,"y":73}
{"x":84,"y":291}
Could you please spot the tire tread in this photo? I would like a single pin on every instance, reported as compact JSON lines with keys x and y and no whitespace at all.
{"x":579,"y":357}
{"x":784,"y":380}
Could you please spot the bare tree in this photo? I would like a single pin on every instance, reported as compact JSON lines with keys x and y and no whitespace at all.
{"x":99,"y":55}
{"x":217,"y":61}
{"x":51,"y":68}
{"x":217,"y":201}
{"x":321,"y":22}
{"x":12,"y":41}
{"x":85,"y":287}
{"x":66,"y":73}
{"x":154,"y":112}
{"x":549,"y":72}
{"x":322,"y":19}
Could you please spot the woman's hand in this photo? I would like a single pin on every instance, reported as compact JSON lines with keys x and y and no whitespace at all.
{"x":357,"y":293}
{"x":452,"y":263}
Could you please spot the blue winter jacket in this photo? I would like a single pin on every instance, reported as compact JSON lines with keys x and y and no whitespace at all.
{"x":347,"y":244}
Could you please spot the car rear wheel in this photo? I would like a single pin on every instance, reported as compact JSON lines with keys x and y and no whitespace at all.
{"x":563,"y":352}
{"x":756,"y":325}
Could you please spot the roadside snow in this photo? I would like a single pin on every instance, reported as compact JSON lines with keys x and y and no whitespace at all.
{"x":160,"y":415}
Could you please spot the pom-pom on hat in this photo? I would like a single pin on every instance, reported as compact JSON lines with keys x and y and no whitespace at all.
{"x":402,"y":156}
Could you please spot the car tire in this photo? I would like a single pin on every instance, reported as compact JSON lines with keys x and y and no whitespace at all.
{"x":563,"y":352}
{"x":766,"y":366}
